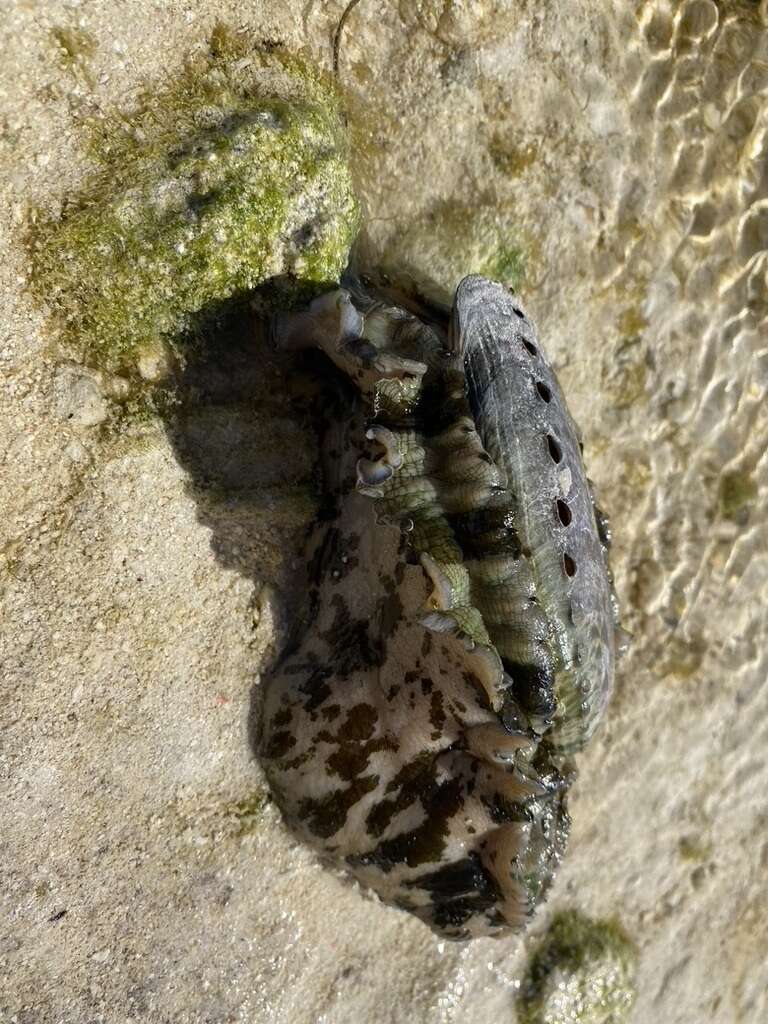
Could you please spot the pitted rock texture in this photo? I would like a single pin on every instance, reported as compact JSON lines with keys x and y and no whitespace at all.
{"x":616,"y":154}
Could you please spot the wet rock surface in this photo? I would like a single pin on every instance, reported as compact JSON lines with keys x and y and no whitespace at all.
{"x":611,"y":163}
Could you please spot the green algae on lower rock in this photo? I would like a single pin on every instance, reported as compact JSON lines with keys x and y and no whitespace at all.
{"x":737,"y":492}
{"x":232,"y":174}
{"x":582,"y":973}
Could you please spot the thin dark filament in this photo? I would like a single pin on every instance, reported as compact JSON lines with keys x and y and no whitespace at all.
{"x":337,"y":34}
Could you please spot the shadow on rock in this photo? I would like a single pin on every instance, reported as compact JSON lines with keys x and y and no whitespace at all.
{"x":243,"y":427}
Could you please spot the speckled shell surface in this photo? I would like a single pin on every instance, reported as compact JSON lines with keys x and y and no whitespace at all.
{"x":456,"y":637}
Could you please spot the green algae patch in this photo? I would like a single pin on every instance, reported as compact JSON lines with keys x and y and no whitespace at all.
{"x":632,"y":323}
{"x":74,"y":45}
{"x":692,"y":849}
{"x":506,"y":265}
{"x":454,"y":239}
{"x":582,"y":973}
{"x":737,"y":492}
{"x":624,"y":375}
{"x":230,"y":175}
{"x":246,"y":814}
{"x":511,"y":159}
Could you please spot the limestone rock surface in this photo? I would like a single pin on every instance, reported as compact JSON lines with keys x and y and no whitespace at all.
{"x":610,"y":160}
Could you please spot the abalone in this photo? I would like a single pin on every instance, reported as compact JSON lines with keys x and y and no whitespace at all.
{"x":455,"y":646}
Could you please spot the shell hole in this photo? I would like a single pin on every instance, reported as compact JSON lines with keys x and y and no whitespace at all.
{"x":569,"y":565}
{"x":564,"y":515}
{"x":519,"y":312}
{"x":530,"y":347}
{"x":554,"y":449}
{"x":543,"y":390}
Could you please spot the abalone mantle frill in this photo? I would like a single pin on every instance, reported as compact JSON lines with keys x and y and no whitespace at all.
{"x":456,"y":642}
